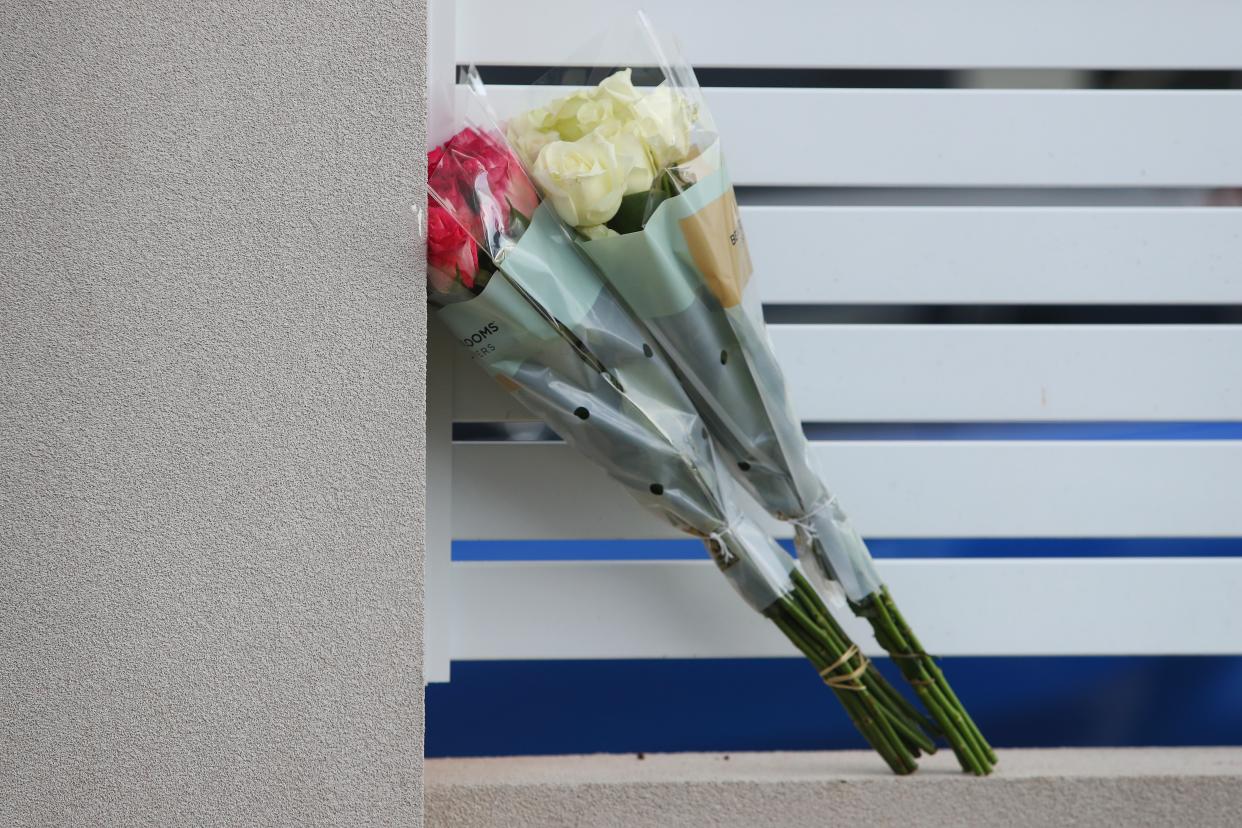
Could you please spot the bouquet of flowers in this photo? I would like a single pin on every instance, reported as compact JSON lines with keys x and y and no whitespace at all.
{"x":638,"y":173}
{"x":509,"y":282}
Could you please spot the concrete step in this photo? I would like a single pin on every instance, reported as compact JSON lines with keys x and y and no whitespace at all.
{"x":1117,"y":788}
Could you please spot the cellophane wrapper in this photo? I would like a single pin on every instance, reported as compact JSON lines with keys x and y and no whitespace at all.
{"x":687,"y":275}
{"x":550,"y":331}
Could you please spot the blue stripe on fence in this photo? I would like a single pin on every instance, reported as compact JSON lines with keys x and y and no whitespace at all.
{"x":548,"y":707}
{"x":1213,"y":430}
{"x":689,"y":549}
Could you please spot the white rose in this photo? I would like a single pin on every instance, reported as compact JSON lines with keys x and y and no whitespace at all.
{"x":620,"y":89}
{"x":663,"y":118}
{"x":598,"y":231}
{"x":582,"y":179}
{"x":530,"y":132}
{"x":632,"y":155}
{"x":581,"y":112}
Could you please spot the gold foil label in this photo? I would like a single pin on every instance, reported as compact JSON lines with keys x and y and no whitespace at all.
{"x":718,"y":246}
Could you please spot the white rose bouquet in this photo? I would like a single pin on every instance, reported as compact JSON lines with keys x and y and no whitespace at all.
{"x":508,"y":281}
{"x":639,"y":174}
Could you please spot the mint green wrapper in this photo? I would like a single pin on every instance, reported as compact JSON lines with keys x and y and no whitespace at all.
{"x":551,"y":332}
{"x":673,"y":249}
{"x":686,"y":276}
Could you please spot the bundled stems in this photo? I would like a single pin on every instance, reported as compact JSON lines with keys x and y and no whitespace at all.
{"x":921,"y":671}
{"x":874,"y":678}
{"x":889,"y":723}
{"x":863,"y":712}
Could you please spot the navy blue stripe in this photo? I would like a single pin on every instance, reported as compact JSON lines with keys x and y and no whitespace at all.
{"x":1215,"y":430}
{"x":871,"y":314}
{"x":689,"y":549}
{"x":549,"y":707}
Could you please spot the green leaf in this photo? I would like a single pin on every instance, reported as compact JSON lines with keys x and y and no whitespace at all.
{"x":635,"y":210}
{"x":518,"y":221}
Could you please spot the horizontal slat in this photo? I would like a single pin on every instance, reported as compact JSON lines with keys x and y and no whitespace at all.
{"x":685,"y":609}
{"x":959,"y":373}
{"x":988,"y":255}
{"x":892,"y":489}
{"x":906,"y":33}
{"x":959,"y":138}
{"x":1010,"y":255}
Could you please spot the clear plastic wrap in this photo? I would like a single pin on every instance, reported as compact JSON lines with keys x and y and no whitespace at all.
{"x":510,"y":282}
{"x":657,"y":213}
{"x":630,"y":158}
{"x":540,"y":320}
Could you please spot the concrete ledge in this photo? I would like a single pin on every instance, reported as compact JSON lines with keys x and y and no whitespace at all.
{"x":1192,"y":786}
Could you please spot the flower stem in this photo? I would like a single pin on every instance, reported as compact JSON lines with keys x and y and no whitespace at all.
{"x":941,"y":682}
{"x":920,"y":670}
{"x":876,"y":680}
{"x":859,"y":705}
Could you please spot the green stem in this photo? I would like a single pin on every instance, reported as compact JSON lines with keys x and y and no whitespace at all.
{"x":854,"y":707}
{"x":829,"y":652}
{"x":937,"y":674}
{"x":880,"y":684}
{"x":968,"y":745}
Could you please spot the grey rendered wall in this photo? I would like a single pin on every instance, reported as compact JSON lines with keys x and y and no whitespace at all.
{"x":211,"y":518}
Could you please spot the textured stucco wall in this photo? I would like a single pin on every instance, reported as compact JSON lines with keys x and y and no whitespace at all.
{"x":212,"y":382}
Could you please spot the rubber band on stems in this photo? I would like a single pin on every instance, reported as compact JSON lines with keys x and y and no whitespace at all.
{"x":850,"y":680}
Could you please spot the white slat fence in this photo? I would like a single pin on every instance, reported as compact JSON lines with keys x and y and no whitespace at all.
{"x":804,"y":140}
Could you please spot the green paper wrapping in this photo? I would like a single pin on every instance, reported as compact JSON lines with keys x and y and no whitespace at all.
{"x":548,"y":330}
{"x":686,"y":276}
